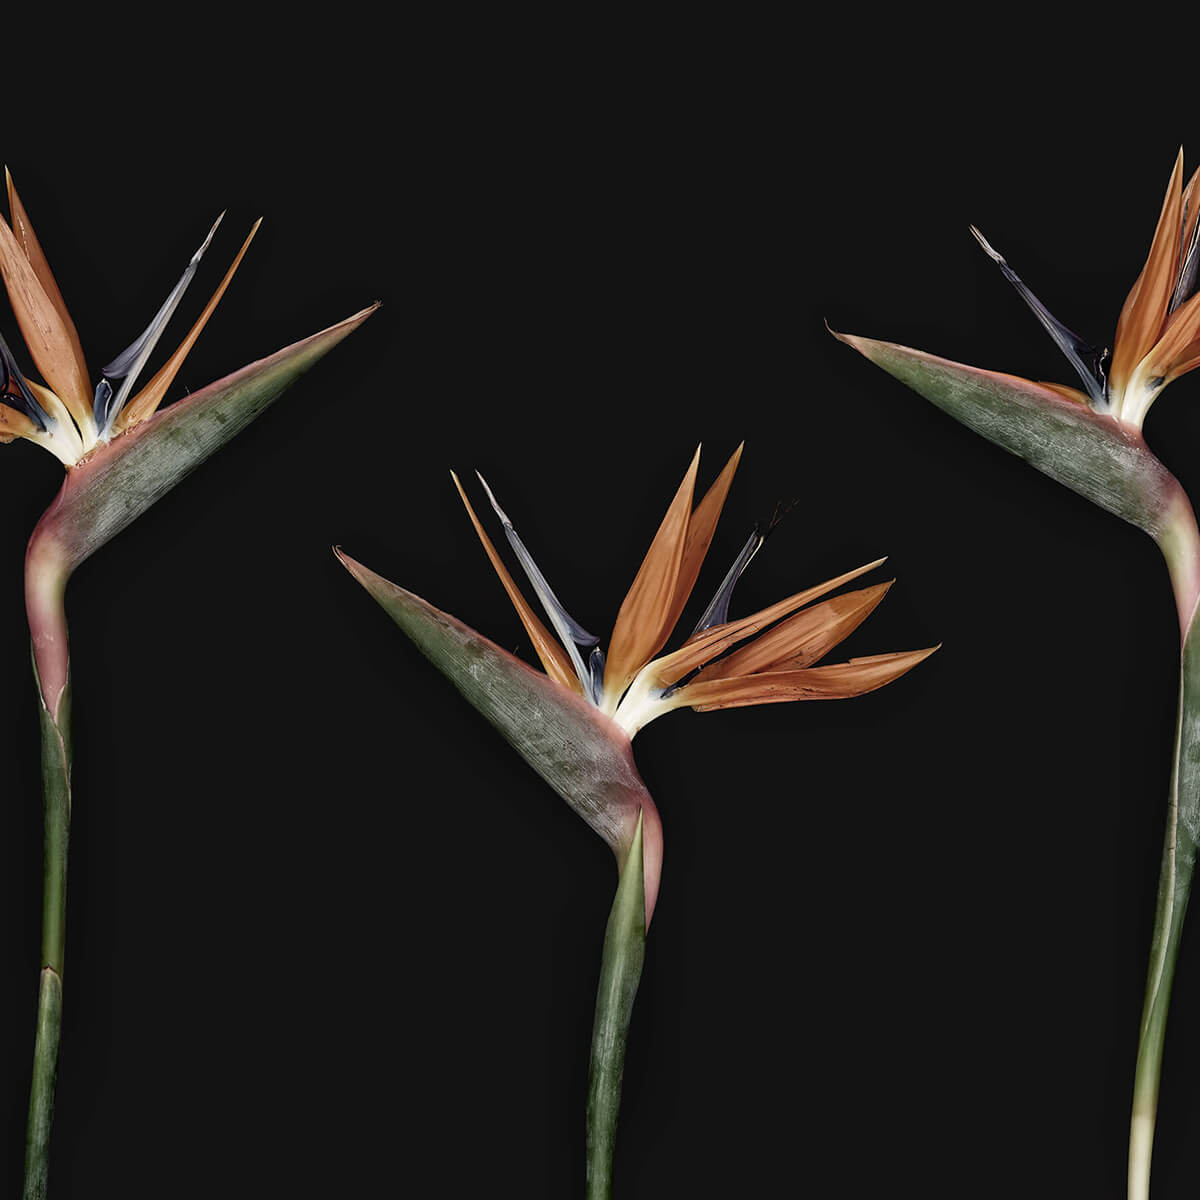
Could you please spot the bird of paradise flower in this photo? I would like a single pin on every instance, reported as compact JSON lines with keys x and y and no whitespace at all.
{"x":1091,"y":440}
{"x":122,"y":452}
{"x":574,"y":724}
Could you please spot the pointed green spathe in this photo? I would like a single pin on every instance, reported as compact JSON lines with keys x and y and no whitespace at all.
{"x":582,"y":754}
{"x":119,"y":481}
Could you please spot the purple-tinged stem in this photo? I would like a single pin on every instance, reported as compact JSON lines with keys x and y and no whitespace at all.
{"x":1179,"y":541}
{"x":46,"y":574}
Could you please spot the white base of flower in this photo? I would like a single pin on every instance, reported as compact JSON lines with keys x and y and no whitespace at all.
{"x":640,"y":705}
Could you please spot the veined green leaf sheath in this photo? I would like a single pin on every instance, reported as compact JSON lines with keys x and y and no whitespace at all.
{"x":116,"y":483}
{"x":1174,"y":887}
{"x":119,"y":481}
{"x":582,"y":754}
{"x":56,"y":784}
{"x":1095,"y":455}
{"x":620,"y":973}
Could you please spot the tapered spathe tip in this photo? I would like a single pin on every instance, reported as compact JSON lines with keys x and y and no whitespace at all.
{"x":848,"y":338}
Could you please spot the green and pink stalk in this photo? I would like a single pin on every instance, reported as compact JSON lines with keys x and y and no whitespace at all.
{"x":1107,"y":461}
{"x":102,"y":494}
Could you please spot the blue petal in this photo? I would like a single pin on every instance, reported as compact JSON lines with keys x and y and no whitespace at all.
{"x":1087,"y":360}
{"x":596,"y":671}
{"x":129,"y":363}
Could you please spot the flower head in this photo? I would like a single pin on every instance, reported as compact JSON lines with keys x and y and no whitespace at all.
{"x":1158,"y":332}
{"x":635,"y":683}
{"x":66,"y":414}
{"x":1091,"y":440}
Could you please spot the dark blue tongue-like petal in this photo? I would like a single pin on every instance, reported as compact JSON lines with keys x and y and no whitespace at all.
{"x":1087,"y":360}
{"x":717,"y":612}
{"x":1189,"y":266}
{"x":23,"y":400}
{"x":129,"y":363}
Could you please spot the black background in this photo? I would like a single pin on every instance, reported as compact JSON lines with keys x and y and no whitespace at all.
{"x":327,"y":934}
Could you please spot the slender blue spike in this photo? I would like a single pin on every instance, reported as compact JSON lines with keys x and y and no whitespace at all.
{"x":23,"y":400}
{"x":129,"y":363}
{"x":596,"y":671}
{"x":553,"y":605}
{"x":572,"y":635}
{"x":717,"y":612}
{"x":1087,"y":360}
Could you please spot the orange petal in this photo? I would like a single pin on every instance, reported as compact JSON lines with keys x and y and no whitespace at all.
{"x":1176,"y":345}
{"x":553,"y":657}
{"x":642,"y":624}
{"x":1069,"y":393}
{"x":1188,"y":360}
{"x":1145,"y":307}
{"x":707,"y":645}
{"x":838,"y":682}
{"x":701,"y":527}
{"x":54,"y":349}
{"x":803,"y":638}
{"x":145,"y":403}
{"x":27,"y":240}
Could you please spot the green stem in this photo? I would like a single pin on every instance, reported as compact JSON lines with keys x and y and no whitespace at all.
{"x":620,"y":972}
{"x":44,"y":590}
{"x":1181,"y":547}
